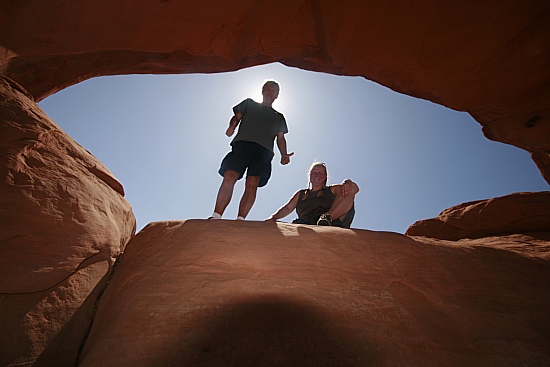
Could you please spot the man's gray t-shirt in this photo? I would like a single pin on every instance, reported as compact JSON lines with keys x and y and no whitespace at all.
{"x":260,"y":124}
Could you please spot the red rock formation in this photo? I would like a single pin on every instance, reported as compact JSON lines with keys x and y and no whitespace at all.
{"x":197,"y":293}
{"x":63,"y":221}
{"x":515,"y":213}
{"x":490,"y":59}
{"x":231,"y":293}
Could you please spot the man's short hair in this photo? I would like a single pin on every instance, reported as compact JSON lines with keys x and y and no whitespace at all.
{"x":274,"y":83}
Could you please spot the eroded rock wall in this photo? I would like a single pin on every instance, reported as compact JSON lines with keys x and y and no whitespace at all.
{"x":521,"y":212}
{"x":63,"y":222}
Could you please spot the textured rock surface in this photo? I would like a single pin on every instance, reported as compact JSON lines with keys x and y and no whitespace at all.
{"x":63,"y":221}
{"x":258,"y":293}
{"x":231,"y":293}
{"x":491,"y":59}
{"x":515,"y":213}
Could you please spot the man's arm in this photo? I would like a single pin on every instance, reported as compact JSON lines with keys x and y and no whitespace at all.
{"x":233,"y":123}
{"x":285,"y":209}
{"x":281,"y":144}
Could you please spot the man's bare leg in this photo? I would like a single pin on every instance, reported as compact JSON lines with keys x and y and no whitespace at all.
{"x":249,"y":195}
{"x":225,"y":192}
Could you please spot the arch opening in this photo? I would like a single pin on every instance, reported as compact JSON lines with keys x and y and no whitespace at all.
{"x":163,"y":137}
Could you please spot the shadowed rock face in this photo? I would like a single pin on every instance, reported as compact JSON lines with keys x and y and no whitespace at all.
{"x":491,"y":59}
{"x":232,"y":293}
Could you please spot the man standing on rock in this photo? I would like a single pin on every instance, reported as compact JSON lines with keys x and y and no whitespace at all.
{"x":252,"y":149}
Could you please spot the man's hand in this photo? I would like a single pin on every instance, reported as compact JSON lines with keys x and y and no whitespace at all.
{"x":230,"y":131}
{"x":233,"y":123}
{"x":285,"y":159}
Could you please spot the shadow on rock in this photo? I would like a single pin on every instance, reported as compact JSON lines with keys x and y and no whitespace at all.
{"x":269,"y":332}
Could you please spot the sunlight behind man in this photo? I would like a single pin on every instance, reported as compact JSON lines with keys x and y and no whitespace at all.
{"x":162,"y":136}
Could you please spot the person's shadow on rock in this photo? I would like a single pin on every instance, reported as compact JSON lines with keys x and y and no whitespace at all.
{"x":269,"y":331}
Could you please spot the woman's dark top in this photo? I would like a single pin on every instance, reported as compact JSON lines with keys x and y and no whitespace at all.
{"x":311,"y":204}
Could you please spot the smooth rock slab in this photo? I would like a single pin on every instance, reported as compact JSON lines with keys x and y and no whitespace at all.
{"x":233,"y":293}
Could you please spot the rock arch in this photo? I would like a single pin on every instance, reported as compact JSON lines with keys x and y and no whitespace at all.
{"x":64,"y":220}
{"x":490,"y":60}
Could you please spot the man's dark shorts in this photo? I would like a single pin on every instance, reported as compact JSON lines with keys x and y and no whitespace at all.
{"x":247,"y":154}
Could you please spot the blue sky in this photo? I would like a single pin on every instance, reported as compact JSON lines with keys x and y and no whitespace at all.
{"x":163,"y":137}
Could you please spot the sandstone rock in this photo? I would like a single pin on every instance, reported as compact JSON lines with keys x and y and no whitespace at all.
{"x":490,"y":59}
{"x":232,"y":293}
{"x":63,"y":221}
{"x":514,"y":213}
